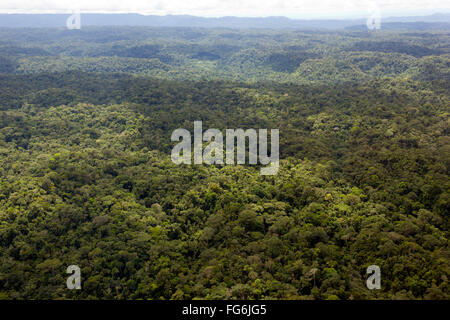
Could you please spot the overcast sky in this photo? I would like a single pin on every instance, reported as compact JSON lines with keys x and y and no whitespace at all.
{"x":216,"y":8}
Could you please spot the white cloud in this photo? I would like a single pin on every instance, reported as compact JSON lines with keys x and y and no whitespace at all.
{"x":299,"y":8}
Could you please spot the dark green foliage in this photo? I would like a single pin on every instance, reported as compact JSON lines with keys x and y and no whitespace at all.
{"x":7,"y":65}
{"x":86,"y":176}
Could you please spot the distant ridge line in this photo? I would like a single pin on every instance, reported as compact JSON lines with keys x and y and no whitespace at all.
{"x":278,"y":22}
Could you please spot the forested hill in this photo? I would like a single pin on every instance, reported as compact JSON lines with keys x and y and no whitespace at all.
{"x":224,"y":54}
{"x":86,"y":177}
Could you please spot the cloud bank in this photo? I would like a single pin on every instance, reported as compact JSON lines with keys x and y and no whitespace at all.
{"x":217,"y":8}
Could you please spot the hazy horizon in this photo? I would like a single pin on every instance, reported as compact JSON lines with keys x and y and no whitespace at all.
{"x":294,"y":9}
{"x":308,"y":17}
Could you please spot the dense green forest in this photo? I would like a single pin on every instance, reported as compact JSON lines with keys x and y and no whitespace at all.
{"x":86,"y":177}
